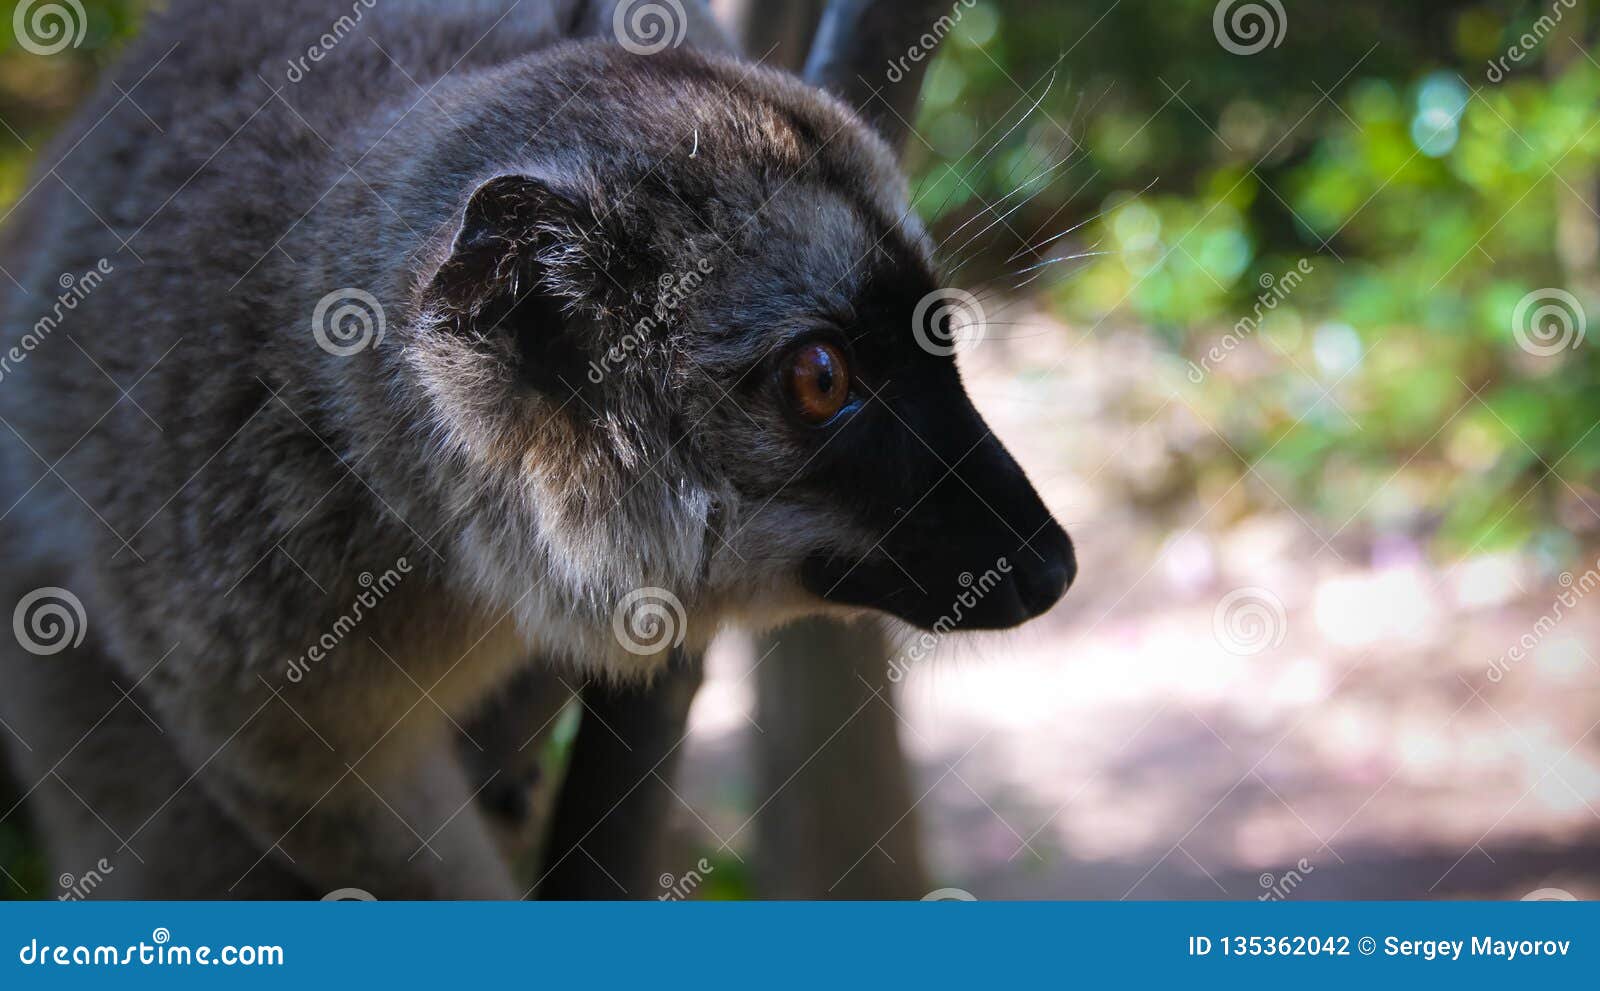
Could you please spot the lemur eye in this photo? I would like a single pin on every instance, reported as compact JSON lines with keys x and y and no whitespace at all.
{"x":816,"y":382}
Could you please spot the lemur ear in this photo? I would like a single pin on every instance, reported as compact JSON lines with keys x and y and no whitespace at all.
{"x":522,"y":278}
{"x":514,"y":230}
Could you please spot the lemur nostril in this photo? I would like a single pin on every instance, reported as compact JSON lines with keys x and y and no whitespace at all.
{"x":1043,"y":587}
{"x":1041,"y":584}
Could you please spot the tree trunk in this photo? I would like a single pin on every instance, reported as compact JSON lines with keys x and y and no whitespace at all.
{"x":839,"y":821}
{"x":863,"y":55}
{"x":779,"y":34}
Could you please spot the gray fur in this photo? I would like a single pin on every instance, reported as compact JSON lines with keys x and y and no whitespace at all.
{"x":219,"y":520}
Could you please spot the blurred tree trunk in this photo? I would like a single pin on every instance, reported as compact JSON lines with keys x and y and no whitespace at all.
{"x":861,"y":56}
{"x":839,"y":820}
{"x":777,"y":33}
{"x":1577,"y":228}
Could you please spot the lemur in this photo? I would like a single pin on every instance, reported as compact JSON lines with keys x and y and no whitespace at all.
{"x":480,"y":334}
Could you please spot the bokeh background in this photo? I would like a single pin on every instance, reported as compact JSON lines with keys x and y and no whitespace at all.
{"x":1288,"y":317}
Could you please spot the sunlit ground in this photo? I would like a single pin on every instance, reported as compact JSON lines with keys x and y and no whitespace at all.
{"x":1168,"y":732}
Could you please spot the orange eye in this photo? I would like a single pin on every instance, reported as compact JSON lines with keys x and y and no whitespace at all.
{"x":816,"y":382}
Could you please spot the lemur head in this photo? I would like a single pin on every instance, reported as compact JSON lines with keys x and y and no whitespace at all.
{"x":672,"y":337}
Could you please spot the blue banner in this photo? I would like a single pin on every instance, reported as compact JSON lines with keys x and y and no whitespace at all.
{"x":707,"y":944}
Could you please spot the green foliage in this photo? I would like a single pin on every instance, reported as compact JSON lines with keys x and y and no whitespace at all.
{"x":38,"y":91}
{"x":1429,"y":189}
